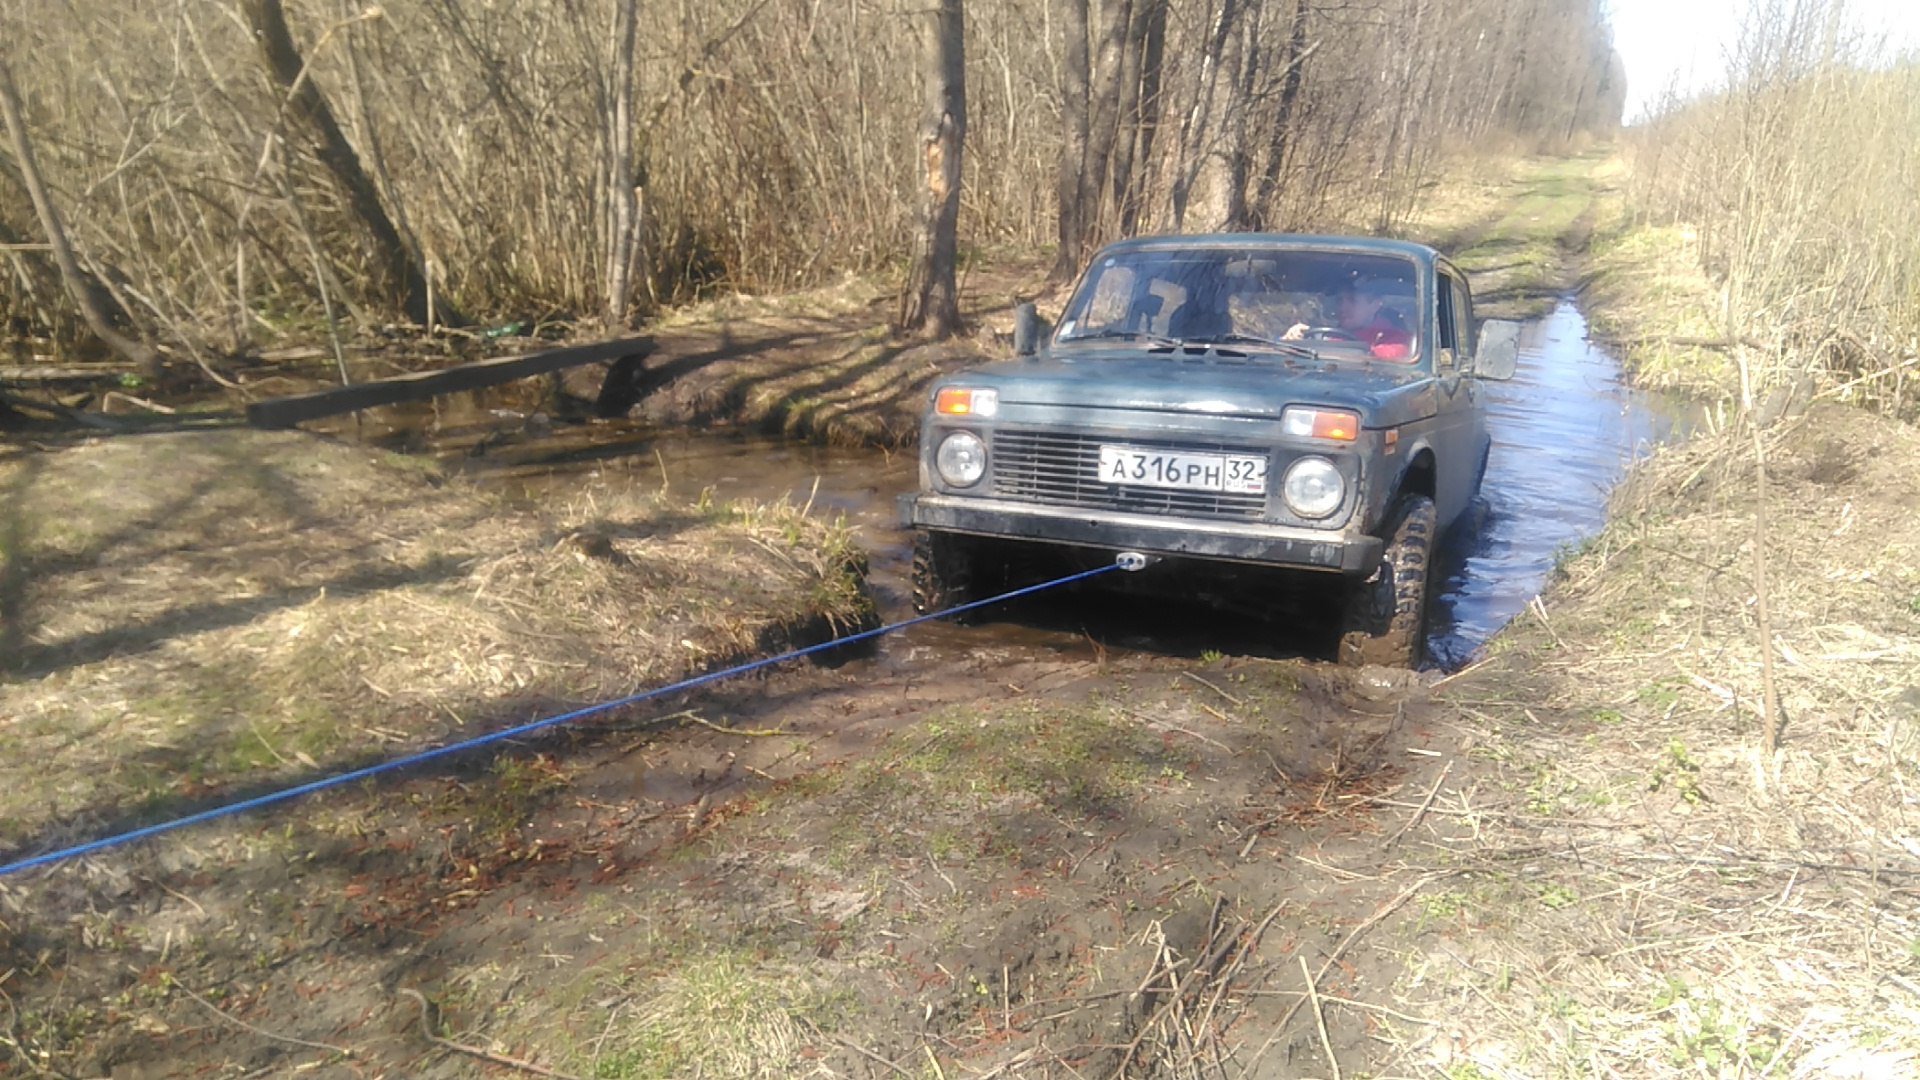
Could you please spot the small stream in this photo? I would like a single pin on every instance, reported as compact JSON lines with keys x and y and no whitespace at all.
{"x":1565,"y":429}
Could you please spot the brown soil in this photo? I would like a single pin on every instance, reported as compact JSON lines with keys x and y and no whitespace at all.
{"x":1079,"y":863}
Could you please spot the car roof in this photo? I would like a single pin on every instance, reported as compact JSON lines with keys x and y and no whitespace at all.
{"x":1374,"y":245}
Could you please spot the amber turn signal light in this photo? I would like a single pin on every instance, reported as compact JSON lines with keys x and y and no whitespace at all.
{"x":954,"y":401}
{"x":1321,"y":423}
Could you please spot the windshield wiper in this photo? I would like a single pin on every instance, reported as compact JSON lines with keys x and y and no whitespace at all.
{"x":1292,"y":348}
{"x":1129,"y":335}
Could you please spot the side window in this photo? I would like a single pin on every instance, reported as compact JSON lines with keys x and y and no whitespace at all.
{"x":1463,"y":317}
{"x":1447,"y":291}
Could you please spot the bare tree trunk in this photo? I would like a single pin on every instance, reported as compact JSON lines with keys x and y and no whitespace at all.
{"x":1120,"y":172}
{"x":1238,"y":151}
{"x":138,"y":353}
{"x":1188,"y":157}
{"x":1149,"y":36}
{"x":1281,"y":141}
{"x":1103,"y":116}
{"x":37,"y":278}
{"x":623,"y":221}
{"x":1073,"y":145}
{"x":932,"y":302}
{"x":397,"y":261}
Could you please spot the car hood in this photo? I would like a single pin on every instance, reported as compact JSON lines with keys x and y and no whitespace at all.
{"x":1209,"y":384}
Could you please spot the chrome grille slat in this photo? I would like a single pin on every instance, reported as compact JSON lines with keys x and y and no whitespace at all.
{"x":1063,"y":470}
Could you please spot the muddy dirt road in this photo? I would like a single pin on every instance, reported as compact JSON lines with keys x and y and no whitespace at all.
{"x":1083,"y":836}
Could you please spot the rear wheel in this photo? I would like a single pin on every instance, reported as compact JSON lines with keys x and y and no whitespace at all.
{"x":1386,"y":616}
{"x":943,"y":571}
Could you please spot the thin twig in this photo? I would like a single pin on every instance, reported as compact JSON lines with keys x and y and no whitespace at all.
{"x":177,"y":895}
{"x":1424,"y":805}
{"x":260,"y":1031}
{"x":752,"y":733}
{"x":1350,"y":1003}
{"x":1224,"y":980}
{"x":1319,"y":1016}
{"x":150,"y":406}
{"x":1540,"y":612}
{"x":1333,"y":958}
{"x":1238,"y":703}
{"x":870,"y":1055}
{"x":487,"y":1056}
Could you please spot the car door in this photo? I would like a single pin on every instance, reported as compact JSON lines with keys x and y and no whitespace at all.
{"x":1467,"y":333}
{"x":1460,"y":433}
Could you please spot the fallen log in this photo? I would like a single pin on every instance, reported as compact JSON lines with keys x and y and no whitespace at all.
{"x":287,"y":411}
{"x":17,"y":374}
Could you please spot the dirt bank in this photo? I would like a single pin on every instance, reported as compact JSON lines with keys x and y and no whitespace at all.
{"x":1647,"y":893}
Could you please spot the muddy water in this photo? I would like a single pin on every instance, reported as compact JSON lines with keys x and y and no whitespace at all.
{"x":1564,"y":430}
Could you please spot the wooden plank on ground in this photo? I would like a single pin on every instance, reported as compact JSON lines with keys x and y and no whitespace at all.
{"x":418,"y":386}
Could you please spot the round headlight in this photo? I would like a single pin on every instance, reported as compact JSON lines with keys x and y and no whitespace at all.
{"x":961,"y":459}
{"x":1313,"y":487}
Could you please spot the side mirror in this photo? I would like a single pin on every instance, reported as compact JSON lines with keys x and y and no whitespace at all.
{"x":1029,"y":330}
{"x":1499,"y":351}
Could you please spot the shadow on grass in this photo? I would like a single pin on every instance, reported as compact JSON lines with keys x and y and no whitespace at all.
{"x":13,"y":561}
{"x":33,"y":661}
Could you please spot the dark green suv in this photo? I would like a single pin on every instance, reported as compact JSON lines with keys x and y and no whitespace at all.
{"x":1298,"y":403}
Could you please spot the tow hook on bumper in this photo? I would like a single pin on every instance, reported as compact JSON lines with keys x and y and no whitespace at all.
{"x":1134,"y":561}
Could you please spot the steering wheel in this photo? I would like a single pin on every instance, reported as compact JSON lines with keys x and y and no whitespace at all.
{"x":1328,"y":333}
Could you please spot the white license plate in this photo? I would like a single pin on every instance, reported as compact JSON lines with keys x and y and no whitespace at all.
{"x":1232,"y":473}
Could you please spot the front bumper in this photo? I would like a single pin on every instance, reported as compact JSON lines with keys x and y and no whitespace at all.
{"x":1266,"y":545}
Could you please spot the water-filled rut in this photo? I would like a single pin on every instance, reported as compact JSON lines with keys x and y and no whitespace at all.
{"x":1564,"y":431}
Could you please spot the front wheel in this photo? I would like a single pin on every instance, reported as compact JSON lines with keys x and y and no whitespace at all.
{"x":1385,"y":621}
{"x":943,"y":572}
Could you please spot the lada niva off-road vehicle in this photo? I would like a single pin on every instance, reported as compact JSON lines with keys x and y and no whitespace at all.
{"x":1272,"y":403}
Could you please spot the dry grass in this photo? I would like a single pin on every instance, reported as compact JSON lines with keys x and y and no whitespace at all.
{"x":1651,"y":896}
{"x":722,"y":1015}
{"x":1652,"y":302}
{"x":191,"y":613}
{"x":1517,"y":233}
{"x":1789,"y":189}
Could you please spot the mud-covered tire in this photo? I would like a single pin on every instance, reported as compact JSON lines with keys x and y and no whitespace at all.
{"x":1385,"y":621}
{"x":943,"y":571}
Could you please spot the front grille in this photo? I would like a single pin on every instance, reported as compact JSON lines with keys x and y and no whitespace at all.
{"x":1064,"y":470}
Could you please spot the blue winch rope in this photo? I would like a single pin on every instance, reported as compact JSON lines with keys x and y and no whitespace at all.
{"x":1127,"y":561}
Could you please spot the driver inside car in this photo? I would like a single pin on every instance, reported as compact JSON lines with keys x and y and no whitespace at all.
{"x":1362,"y":315}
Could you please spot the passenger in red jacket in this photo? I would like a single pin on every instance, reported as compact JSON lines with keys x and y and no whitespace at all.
{"x":1362,"y":313}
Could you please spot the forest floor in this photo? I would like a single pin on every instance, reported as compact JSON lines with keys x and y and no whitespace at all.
{"x":976,"y":853}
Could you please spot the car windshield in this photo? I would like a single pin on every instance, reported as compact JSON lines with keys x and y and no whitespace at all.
{"x":1339,"y":304}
